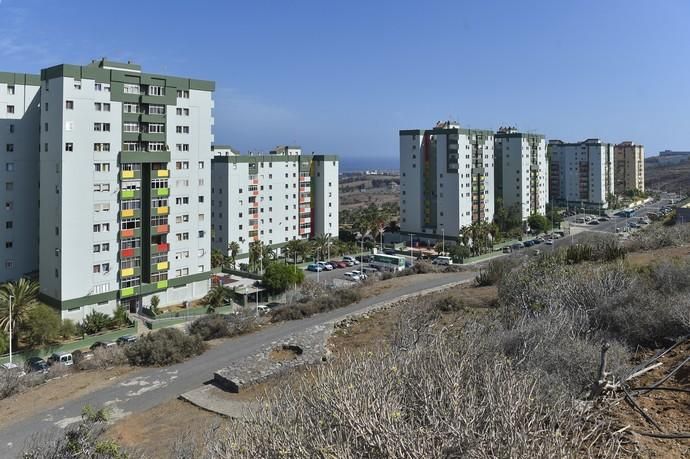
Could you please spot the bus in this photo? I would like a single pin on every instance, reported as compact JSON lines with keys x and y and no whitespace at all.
{"x":387,"y":262}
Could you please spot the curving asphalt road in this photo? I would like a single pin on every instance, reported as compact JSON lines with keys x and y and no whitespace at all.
{"x":153,"y":386}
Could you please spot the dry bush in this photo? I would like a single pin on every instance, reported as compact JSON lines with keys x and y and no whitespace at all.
{"x":104,"y":357}
{"x":442,"y":399}
{"x":657,"y":236}
{"x":12,"y":383}
{"x":494,"y":272}
{"x":334,"y":299}
{"x":164,"y":347}
{"x":670,"y":276}
{"x":222,"y":326}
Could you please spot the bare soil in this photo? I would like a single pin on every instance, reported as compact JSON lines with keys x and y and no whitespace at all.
{"x":55,"y":392}
{"x":669,"y":409}
{"x":361,"y":192}
{"x":651,"y":256}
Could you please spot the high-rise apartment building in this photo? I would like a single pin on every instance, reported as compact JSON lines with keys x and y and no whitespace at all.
{"x":125,"y":195}
{"x":581,"y":173}
{"x":629,"y":167}
{"x":273,"y":198}
{"x":521,"y":171}
{"x":19,"y":121}
{"x":446,"y":179}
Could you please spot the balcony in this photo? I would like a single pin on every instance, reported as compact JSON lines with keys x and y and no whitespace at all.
{"x":126,"y":253}
{"x":144,"y":156}
{"x":162,"y":173}
{"x":162,"y":266}
{"x":129,"y":213}
{"x":255,"y":193}
{"x":163,"y":210}
{"x":253,"y":205}
{"x":125,"y":292}
{"x":161,"y":192}
{"x":127,"y":272}
{"x":125,"y":233}
{"x":254,"y":216}
{"x":129,"y":194}
{"x":254,"y":182}
{"x":162,"y":284}
{"x":160,"y":248}
{"x":255,"y":239}
{"x":160,"y":229}
{"x":304,"y":189}
{"x":129,"y":174}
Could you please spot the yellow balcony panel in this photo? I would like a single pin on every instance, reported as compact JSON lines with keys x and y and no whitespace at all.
{"x":127,"y":174}
{"x":127,"y":272}
{"x":162,"y":173}
{"x":162,"y":210}
{"x":127,"y":213}
{"x":163,"y":265}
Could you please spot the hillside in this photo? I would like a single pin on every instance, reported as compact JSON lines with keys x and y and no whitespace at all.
{"x":672,"y":178}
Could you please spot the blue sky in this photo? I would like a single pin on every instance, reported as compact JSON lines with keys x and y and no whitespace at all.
{"x":344,"y":77}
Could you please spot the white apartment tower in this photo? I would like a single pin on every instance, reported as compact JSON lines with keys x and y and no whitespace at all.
{"x":521,"y":171}
{"x":274,"y":198}
{"x":581,"y":173}
{"x":446,"y":179}
{"x":19,"y":122}
{"x":125,"y":187}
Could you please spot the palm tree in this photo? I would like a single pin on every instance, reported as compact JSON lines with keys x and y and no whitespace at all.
{"x":216,"y":298}
{"x":256,"y":250}
{"x":24,"y":293}
{"x":322,"y":243}
{"x":233,"y":250}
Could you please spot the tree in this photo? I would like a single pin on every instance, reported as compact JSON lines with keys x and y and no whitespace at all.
{"x":95,"y":322}
{"x":155,"y":301}
{"x":216,"y":298}
{"x":24,"y":293}
{"x":507,"y":218}
{"x":68,"y":329}
{"x":459,"y":252}
{"x":233,"y":250}
{"x":322,"y":243}
{"x":42,"y":325}
{"x":4,"y":342}
{"x":120,"y":316}
{"x":217,"y":258}
{"x":278,"y":277}
{"x":539,"y":223}
{"x":257,"y":251}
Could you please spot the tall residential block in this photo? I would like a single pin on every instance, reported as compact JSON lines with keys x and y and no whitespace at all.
{"x":521,"y":171}
{"x":125,"y":187}
{"x":273,"y":198}
{"x":581,"y":173}
{"x":19,"y":124}
{"x":629,"y":166}
{"x":446,"y":179}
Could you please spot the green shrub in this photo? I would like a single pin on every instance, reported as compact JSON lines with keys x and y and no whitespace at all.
{"x":493,"y":273}
{"x":95,"y":322}
{"x":68,"y":329}
{"x":42,"y":325}
{"x":337,"y":299}
{"x":164,"y":347}
{"x":210,"y":327}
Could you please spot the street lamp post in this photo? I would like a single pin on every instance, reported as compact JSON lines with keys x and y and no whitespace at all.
{"x":443,"y":240}
{"x":411,"y":253}
{"x":11,"y":298}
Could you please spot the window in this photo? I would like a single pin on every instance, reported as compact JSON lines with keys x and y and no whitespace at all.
{"x":182,"y":165}
{"x":69,"y":125}
{"x":182,"y":219}
{"x":156,"y":110}
{"x":156,"y":91}
{"x":10,"y":108}
{"x":130,"y":146}
{"x":98,"y":87}
{"x":9,"y":224}
{"x":97,"y":106}
{"x":8,"y":244}
{"x":11,"y":128}
{"x":201,"y":199}
{"x":69,"y":146}
{"x":202,"y":233}
{"x":130,"y":127}
{"x":182,"y":129}
{"x":10,"y":89}
{"x":182,"y":236}
{"x":9,"y":186}
{"x":101,"y":147}
{"x":181,"y":272}
{"x":45,"y":127}
{"x":182,"y":200}
{"x":106,"y":107}
{"x":130,"y":108}
{"x":201,"y":164}
{"x":101,"y":167}
{"x":69,"y":105}
{"x":156,"y":128}
{"x":155,"y":146}
{"x":98,"y":127}
{"x":102,"y":207}
{"x":182,"y":147}
{"x":9,"y":147}
{"x":9,"y":205}
{"x":9,"y":167}
{"x":77,"y":84}
{"x":131,"y":88}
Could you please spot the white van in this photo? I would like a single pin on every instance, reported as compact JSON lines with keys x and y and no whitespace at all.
{"x":64,"y":358}
{"x":446,"y":261}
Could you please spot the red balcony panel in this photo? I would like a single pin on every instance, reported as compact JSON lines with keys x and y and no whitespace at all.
{"x":163,"y":229}
{"x":163,"y":247}
{"x":255,"y":193}
{"x":127,"y":233}
{"x":126,"y":253}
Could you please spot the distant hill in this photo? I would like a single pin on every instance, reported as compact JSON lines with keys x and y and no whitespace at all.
{"x":668,"y":177}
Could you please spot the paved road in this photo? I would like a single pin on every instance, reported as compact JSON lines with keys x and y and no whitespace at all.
{"x":151,"y":387}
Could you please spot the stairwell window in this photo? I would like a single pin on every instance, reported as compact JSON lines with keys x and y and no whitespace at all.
{"x":69,"y":105}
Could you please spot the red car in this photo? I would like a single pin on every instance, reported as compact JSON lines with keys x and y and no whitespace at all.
{"x":338,"y":264}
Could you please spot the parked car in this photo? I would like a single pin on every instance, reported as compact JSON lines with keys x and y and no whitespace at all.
{"x":604,"y":219}
{"x":37,"y":365}
{"x":528,"y":243}
{"x":517,"y":246}
{"x":262,"y":309}
{"x":593,"y":222}
{"x":338,"y":264}
{"x":314,"y":267}
{"x":351,"y":276}
{"x":350,"y":259}
{"x":445,"y":261}
{"x":580,"y":220}
{"x":12,"y":367}
{"x":126,"y":339}
{"x":80,"y":356}
{"x":103,"y":344}
{"x":507,"y":249}
{"x":548,"y":242}
{"x":324,"y":265}
{"x":62,"y":358}
{"x":360,"y":274}
{"x":408,"y":264}
{"x":389,"y":251}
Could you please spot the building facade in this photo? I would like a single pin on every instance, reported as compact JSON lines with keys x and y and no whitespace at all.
{"x":521,"y":171}
{"x":446,"y":179}
{"x":274,"y":198}
{"x":19,"y":124}
{"x":125,"y":187}
{"x":581,"y":173}
{"x":629,"y":167}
